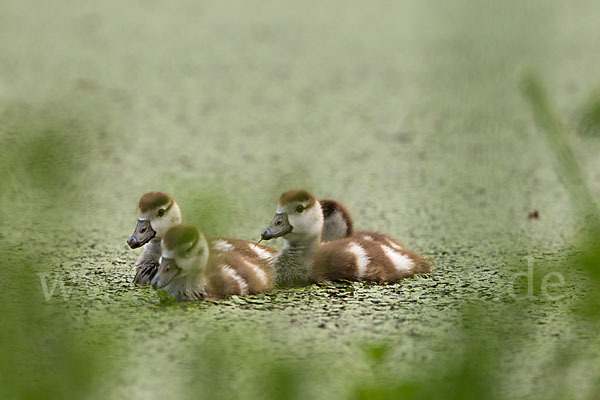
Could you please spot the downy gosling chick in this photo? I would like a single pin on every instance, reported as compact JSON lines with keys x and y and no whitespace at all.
{"x":364,"y":256}
{"x":190,"y":271}
{"x":156,"y":213}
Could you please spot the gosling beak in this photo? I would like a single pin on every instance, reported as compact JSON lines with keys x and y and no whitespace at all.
{"x":142,"y":234}
{"x":278,"y":227}
{"x":155,"y":282}
{"x":167,"y":271}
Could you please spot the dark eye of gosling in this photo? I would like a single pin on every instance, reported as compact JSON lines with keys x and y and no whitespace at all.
{"x":299,"y":209}
{"x":161,"y":212}
{"x":142,"y":230}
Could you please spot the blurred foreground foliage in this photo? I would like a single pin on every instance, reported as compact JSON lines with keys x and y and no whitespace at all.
{"x":243,"y":365}
{"x":42,"y":354}
{"x":570,"y":173}
{"x":589,"y":115}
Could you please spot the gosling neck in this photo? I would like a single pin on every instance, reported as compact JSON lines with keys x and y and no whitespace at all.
{"x":294,"y":262}
{"x":153,"y":246}
{"x":190,"y":287}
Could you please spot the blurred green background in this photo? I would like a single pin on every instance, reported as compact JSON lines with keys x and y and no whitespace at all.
{"x":419,"y":116}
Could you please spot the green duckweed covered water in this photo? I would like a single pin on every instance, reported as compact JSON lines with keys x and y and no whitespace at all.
{"x":410,"y":113}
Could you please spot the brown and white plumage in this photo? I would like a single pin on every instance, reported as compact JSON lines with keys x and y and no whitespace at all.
{"x":189,"y":270}
{"x":244,"y":247}
{"x":362,"y":256}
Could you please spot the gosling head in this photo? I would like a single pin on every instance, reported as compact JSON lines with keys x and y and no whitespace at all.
{"x":298,"y":217}
{"x":157,"y":212}
{"x":184,"y":252}
{"x":337,"y":221}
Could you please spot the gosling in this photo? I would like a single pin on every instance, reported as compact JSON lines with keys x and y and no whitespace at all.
{"x":190,"y":271}
{"x":304,"y":258}
{"x":156,"y":213}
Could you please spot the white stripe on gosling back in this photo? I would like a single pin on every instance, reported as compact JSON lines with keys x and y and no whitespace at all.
{"x":259,"y":272}
{"x":400,"y":261}
{"x":222,"y":245}
{"x":394,"y":245}
{"x":262,"y":253}
{"x":362,"y":258}
{"x":236,"y":277}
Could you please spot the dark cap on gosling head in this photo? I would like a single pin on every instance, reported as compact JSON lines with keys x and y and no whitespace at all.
{"x":180,"y":234}
{"x":302,"y":196}
{"x":151,"y":200}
